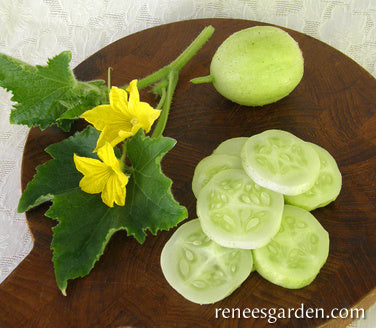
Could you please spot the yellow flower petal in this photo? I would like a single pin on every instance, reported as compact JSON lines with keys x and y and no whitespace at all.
{"x":107,"y":156}
{"x":94,"y":184}
{"x":113,"y":192}
{"x":118,"y":99}
{"x":124,"y":134}
{"x":103,"y":177}
{"x":120,"y":192}
{"x":88,"y":165}
{"x":122,"y":118}
{"x":123,"y":179}
{"x":102,"y":116}
{"x":112,"y":136}
{"x":135,"y":128}
{"x":134,"y":96}
{"x":120,"y":197}
{"x":146,"y":115}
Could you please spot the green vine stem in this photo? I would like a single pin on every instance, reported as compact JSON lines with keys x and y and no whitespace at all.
{"x":163,"y":98}
{"x":162,"y":121}
{"x":123,"y":155}
{"x":203,"y":79}
{"x":180,"y":61}
{"x":109,"y":79}
{"x":166,"y":78}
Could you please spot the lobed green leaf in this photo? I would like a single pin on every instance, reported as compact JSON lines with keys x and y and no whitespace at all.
{"x":86,"y":224}
{"x":59,"y":175}
{"x":44,"y":93}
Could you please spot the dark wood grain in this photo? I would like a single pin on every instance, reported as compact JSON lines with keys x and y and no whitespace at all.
{"x":333,"y":106}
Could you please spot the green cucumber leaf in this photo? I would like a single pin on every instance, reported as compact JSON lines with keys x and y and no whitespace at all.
{"x":44,"y":93}
{"x":59,"y":174}
{"x":85,"y":227}
{"x":87,"y":95}
{"x":149,"y":197}
{"x":85,"y":223}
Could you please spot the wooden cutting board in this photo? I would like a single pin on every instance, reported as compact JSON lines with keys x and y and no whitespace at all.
{"x":333,"y":106}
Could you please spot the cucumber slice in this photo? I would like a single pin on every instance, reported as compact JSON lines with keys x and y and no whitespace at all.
{"x":296,"y":254}
{"x":235,"y":212}
{"x":201,"y":270}
{"x":211,"y":165}
{"x":231,"y":146}
{"x":280,"y":161}
{"x":327,"y":186}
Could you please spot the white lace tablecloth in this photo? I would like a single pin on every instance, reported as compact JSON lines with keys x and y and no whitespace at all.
{"x":35,"y":30}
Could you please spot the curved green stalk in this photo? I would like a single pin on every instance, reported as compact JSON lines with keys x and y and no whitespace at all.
{"x":192,"y":49}
{"x":123,"y":155}
{"x":162,"y":121}
{"x":166,"y":78}
{"x":109,"y":79}
{"x":180,"y":61}
{"x":163,"y":98}
{"x":203,"y":79}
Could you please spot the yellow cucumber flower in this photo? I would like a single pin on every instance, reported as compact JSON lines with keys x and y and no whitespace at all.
{"x":103,"y":177}
{"x":122,"y":118}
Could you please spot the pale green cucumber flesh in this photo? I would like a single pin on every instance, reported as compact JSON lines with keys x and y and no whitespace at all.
{"x":231,"y":146}
{"x":211,"y":165}
{"x":280,"y":161}
{"x":326,"y":187}
{"x":201,"y":270}
{"x":296,"y":253}
{"x":236,"y":212}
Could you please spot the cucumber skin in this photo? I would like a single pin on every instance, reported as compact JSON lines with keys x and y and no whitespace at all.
{"x":231,"y":146}
{"x":319,"y":200}
{"x":281,"y":280}
{"x":218,"y":161}
{"x":257,"y":66}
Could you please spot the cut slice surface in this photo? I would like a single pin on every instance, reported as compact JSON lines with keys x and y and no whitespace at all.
{"x":236,"y":212}
{"x":327,"y":185}
{"x":280,"y":161}
{"x":231,"y":146}
{"x":296,"y":254}
{"x":211,"y":165}
{"x":201,"y":270}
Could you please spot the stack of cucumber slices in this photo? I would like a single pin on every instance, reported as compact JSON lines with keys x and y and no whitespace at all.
{"x":253,"y":201}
